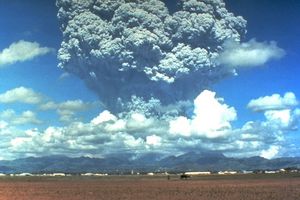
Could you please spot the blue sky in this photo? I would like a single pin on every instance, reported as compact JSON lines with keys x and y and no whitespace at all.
{"x":67,"y":116}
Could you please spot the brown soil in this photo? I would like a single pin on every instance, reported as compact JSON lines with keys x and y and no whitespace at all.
{"x":144,"y":188}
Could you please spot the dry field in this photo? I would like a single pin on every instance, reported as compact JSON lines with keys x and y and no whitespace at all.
{"x":238,"y":187}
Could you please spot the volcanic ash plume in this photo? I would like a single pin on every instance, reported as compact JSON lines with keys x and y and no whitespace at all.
{"x":129,"y":49}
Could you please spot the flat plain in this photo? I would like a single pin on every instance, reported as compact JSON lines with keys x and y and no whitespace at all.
{"x":225,"y":187}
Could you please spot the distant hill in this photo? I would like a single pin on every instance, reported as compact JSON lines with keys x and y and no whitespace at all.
{"x":208,"y":161}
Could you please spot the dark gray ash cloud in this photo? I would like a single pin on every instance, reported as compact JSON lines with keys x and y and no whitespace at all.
{"x":132,"y":48}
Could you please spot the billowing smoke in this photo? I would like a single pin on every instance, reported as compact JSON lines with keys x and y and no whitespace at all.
{"x":130,"y":50}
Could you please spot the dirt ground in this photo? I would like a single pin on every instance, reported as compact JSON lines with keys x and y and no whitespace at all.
{"x":150,"y":188}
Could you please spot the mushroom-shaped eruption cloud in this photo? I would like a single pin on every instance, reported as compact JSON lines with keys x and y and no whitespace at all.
{"x":137,"y":48}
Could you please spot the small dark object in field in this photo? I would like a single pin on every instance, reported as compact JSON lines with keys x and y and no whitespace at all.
{"x":184,"y":176}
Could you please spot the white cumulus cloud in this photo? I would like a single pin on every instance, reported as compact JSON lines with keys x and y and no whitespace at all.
{"x":22,"y":51}
{"x":209,"y":128}
{"x":153,"y":140}
{"x":271,"y":152}
{"x":273,"y":102}
{"x":26,"y":117}
{"x":211,"y":118}
{"x":181,"y":125}
{"x":3,"y":125}
{"x":21,"y":95}
{"x":67,"y":109}
{"x":249,"y":54}
{"x":105,"y":116}
{"x":281,"y":117}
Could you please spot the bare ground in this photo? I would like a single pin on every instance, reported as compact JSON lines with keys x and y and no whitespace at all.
{"x":153,"y":188}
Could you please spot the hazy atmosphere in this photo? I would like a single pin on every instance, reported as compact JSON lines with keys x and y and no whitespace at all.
{"x":97,"y":78}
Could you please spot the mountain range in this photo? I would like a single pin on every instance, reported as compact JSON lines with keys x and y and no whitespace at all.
{"x":152,"y":162}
